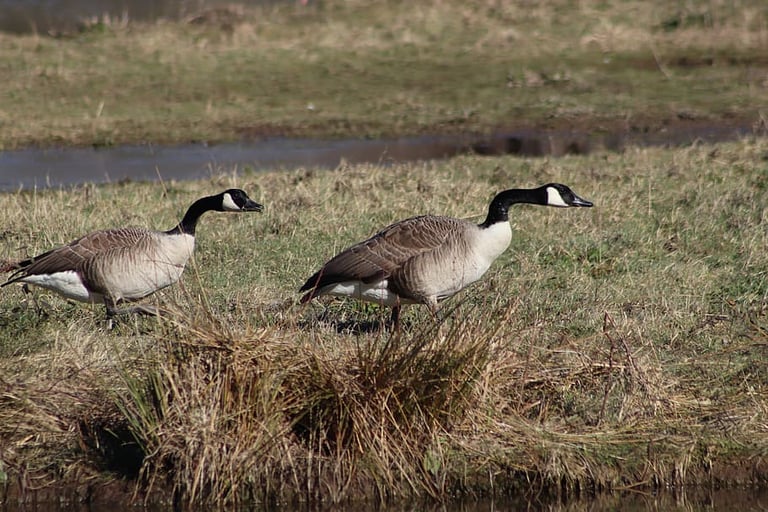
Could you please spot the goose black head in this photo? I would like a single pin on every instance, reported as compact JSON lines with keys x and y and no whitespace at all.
{"x":236,"y":200}
{"x":552,"y":194}
{"x":560,"y":195}
{"x":232,"y":200}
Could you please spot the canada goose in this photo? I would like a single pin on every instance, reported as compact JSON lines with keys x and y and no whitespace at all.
{"x":427,"y":259}
{"x":123,"y":264}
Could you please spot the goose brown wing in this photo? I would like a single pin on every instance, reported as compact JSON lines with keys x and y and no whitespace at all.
{"x":79,"y":254}
{"x":384,"y":253}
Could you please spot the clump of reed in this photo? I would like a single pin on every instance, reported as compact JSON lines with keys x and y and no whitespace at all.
{"x":272,"y":414}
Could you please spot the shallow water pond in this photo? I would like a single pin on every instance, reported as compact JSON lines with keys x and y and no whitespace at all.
{"x":60,"y":167}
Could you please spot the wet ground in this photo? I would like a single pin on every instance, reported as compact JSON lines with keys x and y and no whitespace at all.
{"x":694,"y":500}
{"x":44,"y":168}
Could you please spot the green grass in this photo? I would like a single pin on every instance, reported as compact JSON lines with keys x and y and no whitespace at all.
{"x":390,"y":68}
{"x":611,"y":347}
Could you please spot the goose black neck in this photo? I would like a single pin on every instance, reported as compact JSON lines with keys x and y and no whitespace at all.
{"x":194,"y":212}
{"x":498,"y":211}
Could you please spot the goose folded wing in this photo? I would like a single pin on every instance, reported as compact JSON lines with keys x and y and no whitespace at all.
{"x":384,"y":253}
{"x":75,"y":255}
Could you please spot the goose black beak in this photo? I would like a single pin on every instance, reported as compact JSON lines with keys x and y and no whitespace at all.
{"x":252,"y":206}
{"x":577,"y":201}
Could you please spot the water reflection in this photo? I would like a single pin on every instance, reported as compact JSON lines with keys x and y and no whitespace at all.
{"x":691,"y":500}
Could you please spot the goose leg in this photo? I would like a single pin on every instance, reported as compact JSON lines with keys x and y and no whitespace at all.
{"x":431,"y":303}
{"x":110,"y":305}
{"x":111,"y":313}
{"x":33,"y":298}
{"x":394,"y":319}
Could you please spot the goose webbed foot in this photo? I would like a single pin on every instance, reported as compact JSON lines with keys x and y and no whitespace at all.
{"x":139,"y":309}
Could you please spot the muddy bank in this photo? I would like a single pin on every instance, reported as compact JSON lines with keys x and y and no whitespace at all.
{"x":584,"y":137}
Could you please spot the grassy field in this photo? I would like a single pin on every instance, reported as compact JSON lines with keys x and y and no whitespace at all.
{"x":362,"y":69}
{"x":612,"y":348}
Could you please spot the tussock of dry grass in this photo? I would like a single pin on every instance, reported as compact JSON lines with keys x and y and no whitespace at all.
{"x":268,"y":415}
{"x":616,"y":348}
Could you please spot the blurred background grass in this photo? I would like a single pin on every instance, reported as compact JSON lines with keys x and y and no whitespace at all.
{"x":364,"y":69}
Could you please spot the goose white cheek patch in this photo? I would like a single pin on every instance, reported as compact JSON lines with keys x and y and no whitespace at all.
{"x":554,"y":198}
{"x":229,"y":204}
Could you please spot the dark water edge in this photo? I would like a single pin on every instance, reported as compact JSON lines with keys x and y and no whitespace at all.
{"x":29,"y":169}
{"x":58,"y":17}
{"x":691,"y":500}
